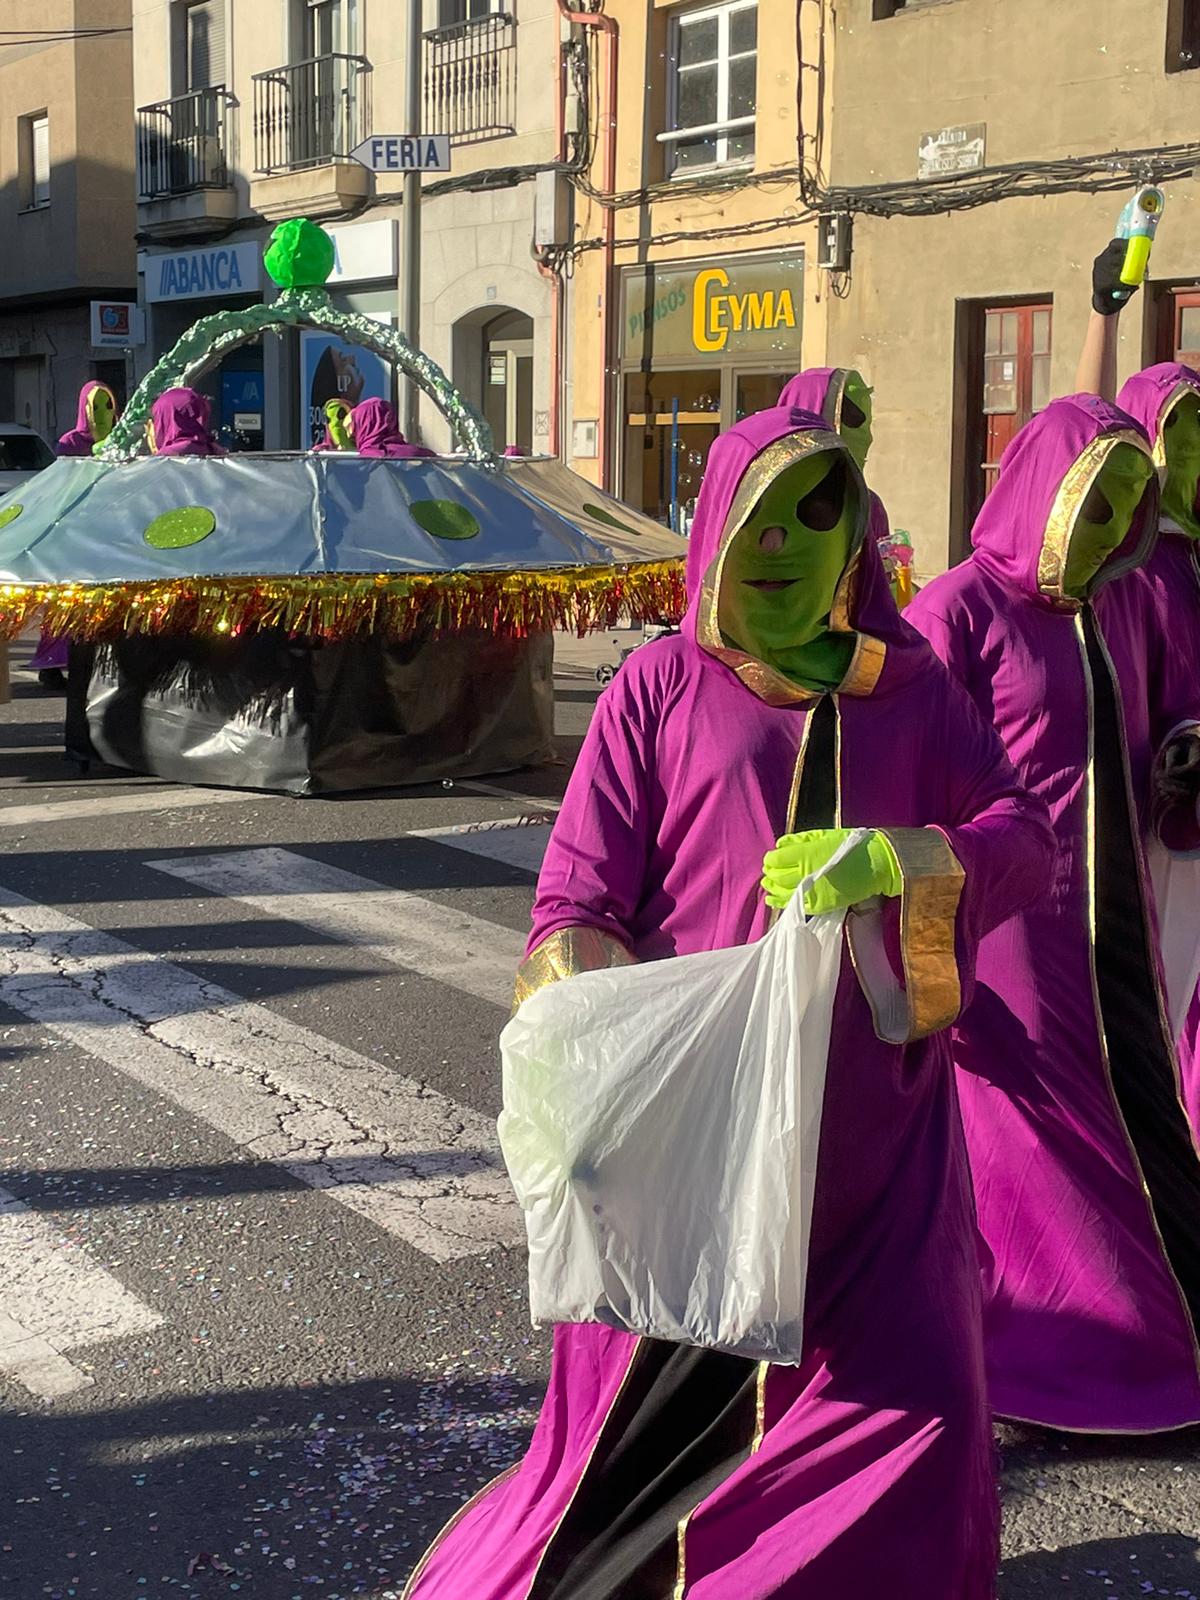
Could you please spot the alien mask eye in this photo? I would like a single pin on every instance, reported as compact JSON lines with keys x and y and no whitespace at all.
{"x":821,"y":508}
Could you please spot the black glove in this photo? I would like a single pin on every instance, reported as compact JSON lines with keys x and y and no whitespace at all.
{"x":1178,"y":781}
{"x":1109,"y":294}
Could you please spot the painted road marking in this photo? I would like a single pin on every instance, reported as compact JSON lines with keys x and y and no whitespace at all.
{"x":398,"y":927}
{"x":54,"y":1300}
{"x":47,"y":813}
{"x":515,"y":841}
{"x":386,"y":1146}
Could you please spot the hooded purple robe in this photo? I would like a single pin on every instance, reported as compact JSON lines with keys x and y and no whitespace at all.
{"x":181,"y":422}
{"x":658,"y":1469}
{"x":376,"y":432}
{"x":53,"y":651}
{"x":1173,"y":573}
{"x":822,"y":390}
{"x":81,"y":438}
{"x":1086,"y":1177}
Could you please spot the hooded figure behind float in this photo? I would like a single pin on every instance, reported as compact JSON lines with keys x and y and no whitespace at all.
{"x":795,"y":698}
{"x":1087,"y":1179}
{"x":180,"y":425}
{"x":375,"y":431}
{"x":94,"y":421}
{"x":1165,"y":399}
{"x":843,"y":398}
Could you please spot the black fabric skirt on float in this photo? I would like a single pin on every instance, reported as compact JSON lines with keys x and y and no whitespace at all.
{"x":300,"y":716}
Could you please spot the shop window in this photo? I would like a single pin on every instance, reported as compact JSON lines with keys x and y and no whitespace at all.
{"x":33,"y":161}
{"x":712,"y":89}
{"x":1183,"y":35}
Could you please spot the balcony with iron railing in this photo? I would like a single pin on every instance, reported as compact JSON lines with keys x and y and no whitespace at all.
{"x":308,"y":119}
{"x":183,"y":164}
{"x":471,"y":79}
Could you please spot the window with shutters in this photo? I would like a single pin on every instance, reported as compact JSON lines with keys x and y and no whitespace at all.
{"x":33,"y":161}
{"x":199,"y":46}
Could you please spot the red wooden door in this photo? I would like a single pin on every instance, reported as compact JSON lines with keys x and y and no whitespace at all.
{"x":1016,"y":377}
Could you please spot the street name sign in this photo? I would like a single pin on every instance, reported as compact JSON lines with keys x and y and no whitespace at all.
{"x":405,"y":152}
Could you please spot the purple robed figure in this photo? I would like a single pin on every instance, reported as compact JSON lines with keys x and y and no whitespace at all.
{"x":53,"y":651}
{"x":1086,"y":1177}
{"x":1153,"y":398}
{"x":180,"y":425}
{"x":824,"y":390}
{"x":658,"y":1469}
{"x":376,"y":432}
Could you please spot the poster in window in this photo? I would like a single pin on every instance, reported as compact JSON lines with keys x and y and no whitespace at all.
{"x":331,"y":369}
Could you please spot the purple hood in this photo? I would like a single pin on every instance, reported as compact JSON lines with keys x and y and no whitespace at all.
{"x":743,"y":461}
{"x":81,"y":438}
{"x":180,"y":419}
{"x":1149,"y":396}
{"x":820,"y":390}
{"x":1023,"y":533}
{"x":375,"y":430}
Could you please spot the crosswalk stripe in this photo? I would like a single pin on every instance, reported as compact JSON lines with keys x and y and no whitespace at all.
{"x":106,"y":802}
{"x":398,"y":927}
{"x":407,"y":1158}
{"x":515,"y":841}
{"x":53,"y":1299}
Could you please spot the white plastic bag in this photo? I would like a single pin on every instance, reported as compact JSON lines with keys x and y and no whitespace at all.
{"x":1176,"y":882}
{"x":661,"y":1125}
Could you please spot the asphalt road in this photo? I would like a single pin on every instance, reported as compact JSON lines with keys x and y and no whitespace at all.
{"x":262,"y":1308}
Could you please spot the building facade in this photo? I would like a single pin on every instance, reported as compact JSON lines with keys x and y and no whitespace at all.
{"x":690,"y":268}
{"x":66,"y":204}
{"x":249,"y":112}
{"x":969,"y":319}
{"x":972,"y":156}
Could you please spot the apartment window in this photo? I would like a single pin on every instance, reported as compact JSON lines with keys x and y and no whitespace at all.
{"x":328,"y":27}
{"x":1183,"y":35}
{"x":34,"y":161}
{"x":199,"y":45}
{"x":453,"y":13}
{"x":713,"y":63}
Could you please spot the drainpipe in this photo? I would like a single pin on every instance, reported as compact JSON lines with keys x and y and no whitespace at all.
{"x":553,"y":278}
{"x":606,"y":26}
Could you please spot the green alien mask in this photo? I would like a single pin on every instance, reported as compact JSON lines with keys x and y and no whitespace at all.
{"x":337,"y":419}
{"x":782,"y":569}
{"x":854,"y":421}
{"x":1181,"y":440}
{"x":1106,"y":516}
{"x":101,"y":414}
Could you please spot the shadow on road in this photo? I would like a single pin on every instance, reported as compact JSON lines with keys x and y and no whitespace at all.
{"x":266,"y":1489}
{"x":1117,"y":1569}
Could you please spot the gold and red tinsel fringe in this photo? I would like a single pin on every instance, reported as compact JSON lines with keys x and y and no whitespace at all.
{"x":335,"y":606}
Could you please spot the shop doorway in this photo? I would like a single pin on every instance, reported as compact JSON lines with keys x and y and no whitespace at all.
{"x":671,"y":420}
{"x":493,"y":356}
{"x":1002,"y":379}
{"x":507,"y":379}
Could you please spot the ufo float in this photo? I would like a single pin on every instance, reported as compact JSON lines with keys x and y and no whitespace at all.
{"x":328,"y":546}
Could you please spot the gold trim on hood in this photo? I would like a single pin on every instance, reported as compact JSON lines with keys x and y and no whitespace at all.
{"x":835,"y":395}
{"x":1072,"y":491}
{"x":1159,"y":451}
{"x":764,"y":681}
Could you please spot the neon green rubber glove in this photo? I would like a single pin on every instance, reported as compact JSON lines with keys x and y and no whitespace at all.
{"x":869,"y":870}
